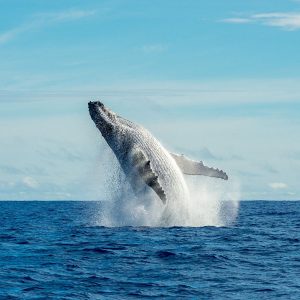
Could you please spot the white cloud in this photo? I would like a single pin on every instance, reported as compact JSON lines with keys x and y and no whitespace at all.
{"x":287,"y":20}
{"x":30,"y":182}
{"x":278,"y":185}
{"x":66,"y":15}
{"x":11,"y":34}
{"x":236,"y":20}
{"x":154,"y":48}
{"x":44,"y":19}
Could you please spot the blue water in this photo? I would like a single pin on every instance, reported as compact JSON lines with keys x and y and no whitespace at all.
{"x":54,"y":250}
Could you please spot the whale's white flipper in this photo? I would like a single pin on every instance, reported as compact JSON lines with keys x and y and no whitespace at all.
{"x":143,"y":167}
{"x":192,"y":167}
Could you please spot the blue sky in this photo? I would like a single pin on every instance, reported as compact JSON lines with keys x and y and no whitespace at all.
{"x":217,"y":80}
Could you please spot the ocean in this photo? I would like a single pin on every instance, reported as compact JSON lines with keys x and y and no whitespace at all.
{"x":56,"y":250}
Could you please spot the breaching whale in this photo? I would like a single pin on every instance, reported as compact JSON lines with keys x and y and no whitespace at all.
{"x":145,"y":162}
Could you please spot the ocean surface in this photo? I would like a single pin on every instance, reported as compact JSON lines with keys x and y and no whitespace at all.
{"x":56,"y":250}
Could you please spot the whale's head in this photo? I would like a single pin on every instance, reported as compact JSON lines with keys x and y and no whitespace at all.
{"x":104,"y":119}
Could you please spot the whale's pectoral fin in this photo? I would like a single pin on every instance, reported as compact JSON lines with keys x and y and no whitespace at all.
{"x":143,"y":167}
{"x":192,"y":167}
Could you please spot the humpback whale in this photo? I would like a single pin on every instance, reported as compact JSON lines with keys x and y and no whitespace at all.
{"x":148,"y":166}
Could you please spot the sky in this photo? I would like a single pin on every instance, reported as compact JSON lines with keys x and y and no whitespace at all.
{"x":216,"y":80}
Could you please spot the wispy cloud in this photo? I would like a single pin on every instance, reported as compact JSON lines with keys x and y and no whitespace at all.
{"x":12,"y":33}
{"x":278,"y":185}
{"x":154,"y":48}
{"x":284,"y":20}
{"x":30,"y":182}
{"x":269,"y":168}
{"x":44,"y":19}
{"x":237,"y":20}
{"x":7,"y":169}
{"x":66,"y":15}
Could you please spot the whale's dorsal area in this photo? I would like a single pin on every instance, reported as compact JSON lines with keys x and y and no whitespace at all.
{"x":145,"y":162}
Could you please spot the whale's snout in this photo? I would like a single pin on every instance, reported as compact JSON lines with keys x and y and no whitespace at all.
{"x":96,"y":109}
{"x":95,"y":104}
{"x":103,"y":118}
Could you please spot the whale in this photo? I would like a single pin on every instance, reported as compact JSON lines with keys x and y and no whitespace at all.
{"x":148,"y":166}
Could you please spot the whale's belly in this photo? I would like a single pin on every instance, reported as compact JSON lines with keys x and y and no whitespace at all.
{"x":164,"y":166}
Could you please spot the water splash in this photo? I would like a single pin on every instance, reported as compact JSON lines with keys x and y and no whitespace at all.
{"x":212,"y":202}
